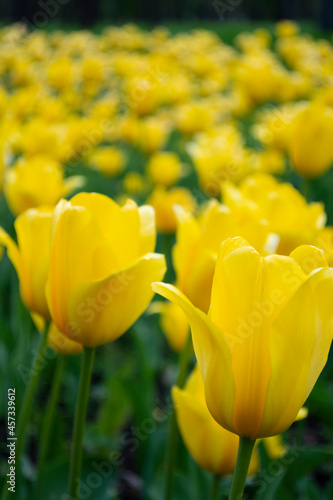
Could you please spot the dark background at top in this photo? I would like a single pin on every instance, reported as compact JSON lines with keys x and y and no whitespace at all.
{"x":80,"y":13}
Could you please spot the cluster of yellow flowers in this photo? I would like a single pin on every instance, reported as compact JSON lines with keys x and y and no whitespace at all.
{"x":159,"y":113}
{"x":66,"y":98}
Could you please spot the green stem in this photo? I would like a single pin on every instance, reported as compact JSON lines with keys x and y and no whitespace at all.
{"x":215,"y":487}
{"x":47,"y":422}
{"x":79,"y":421}
{"x":245,"y":450}
{"x":173,"y":430}
{"x":27,"y":403}
{"x":306,"y":187}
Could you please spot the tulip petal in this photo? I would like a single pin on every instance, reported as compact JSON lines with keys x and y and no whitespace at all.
{"x":108,"y":307}
{"x":300,"y":340}
{"x":12,"y":250}
{"x":183,"y":253}
{"x":213,"y":355}
{"x":147,"y":229}
{"x":120,"y":226}
{"x":33,"y":229}
{"x":199,"y":282}
{"x":79,"y":254}
{"x":302,"y":414}
{"x":173,"y":322}
{"x":309,"y":258}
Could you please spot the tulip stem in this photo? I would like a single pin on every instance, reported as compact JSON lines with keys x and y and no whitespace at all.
{"x":47,"y":422}
{"x":245,"y":450}
{"x":79,"y":421}
{"x":215,"y":487}
{"x":27,"y":403}
{"x":173,"y":431}
{"x":305,"y":188}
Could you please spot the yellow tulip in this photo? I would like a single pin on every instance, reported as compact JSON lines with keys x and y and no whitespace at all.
{"x":286,"y":212}
{"x":59,"y":73}
{"x":35,"y":182}
{"x":152,"y":134}
{"x":107,"y":159}
{"x":92,"y":70}
{"x":270,"y":161}
{"x":194,"y":117}
{"x":52,"y":110}
{"x":129,"y":128}
{"x":31,"y":256}
{"x":164,"y":203}
{"x":212,"y":447}
{"x":286,"y":28}
{"x":164,"y":168}
{"x":38,"y":137}
{"x":272,"y":126}
{"x":218,"y":156}
{"x":260,"y":65}
{"x":101,"y":267}
{"x":266,"y":338}
{"x":311,"y":139}
{"x":142,"y":94}
{"x":133,"y":183}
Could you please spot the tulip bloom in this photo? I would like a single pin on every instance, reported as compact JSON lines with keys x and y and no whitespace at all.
{"x":164,"y":168}
{"x":101,"y":267}
{"x":266,"y":337}
{"x":31,"y":256}
{"x":109,"y":160}
{"x":36,"y":182}
{"x":152,"y":134}
{"x":164,"y":203}
{"x":286,"y":212}
{"x":311,"y":138}
{"x":197,"y":426}
{"x":286,"y":28}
